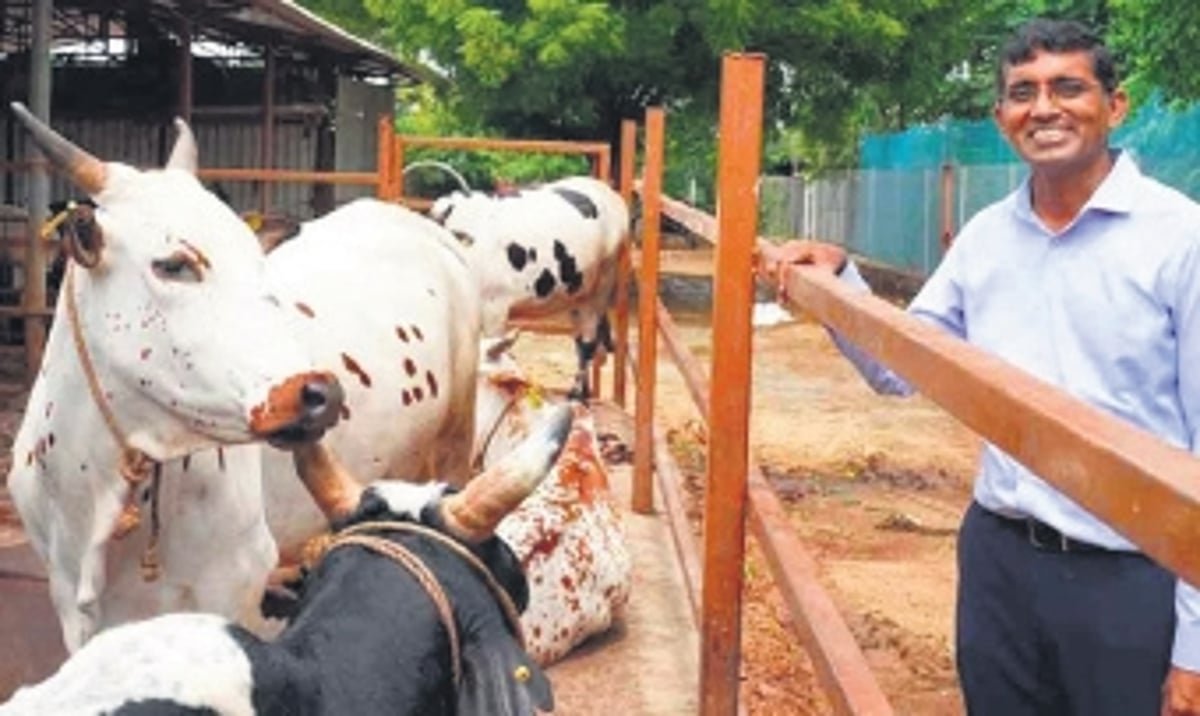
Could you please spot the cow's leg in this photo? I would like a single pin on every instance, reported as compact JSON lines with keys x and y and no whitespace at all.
{"x":592,"y":331}
{"x":584,"y":350}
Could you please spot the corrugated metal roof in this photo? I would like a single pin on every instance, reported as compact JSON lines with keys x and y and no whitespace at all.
{"x":282,"y":24}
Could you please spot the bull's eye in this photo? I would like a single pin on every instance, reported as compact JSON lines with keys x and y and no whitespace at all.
{"x":179,"y":266}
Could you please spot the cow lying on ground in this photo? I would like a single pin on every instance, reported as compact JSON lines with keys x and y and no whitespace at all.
{"x":165,"y":341}
{"x":187,"y":337}
{"x":411,"y":610}
{"x":568,"y":533}
{"x":541,"y":252}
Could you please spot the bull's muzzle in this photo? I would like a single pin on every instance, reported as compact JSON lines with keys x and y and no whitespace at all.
{"x":298,"y":410}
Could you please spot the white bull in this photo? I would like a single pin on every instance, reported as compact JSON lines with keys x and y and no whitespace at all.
{"x":164,"y":342}
{"x":543,"y":251}
{"x":384,"y":298}
{"x":375,"y":294}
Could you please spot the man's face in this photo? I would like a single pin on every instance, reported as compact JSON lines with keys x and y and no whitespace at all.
{"x":1056,"y":114}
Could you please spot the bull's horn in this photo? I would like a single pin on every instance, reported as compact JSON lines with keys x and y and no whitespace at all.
{"x":332,"y":488}
{"x":85,"y":171}
{"x":184,"y":154}
{"x":472,"y":515}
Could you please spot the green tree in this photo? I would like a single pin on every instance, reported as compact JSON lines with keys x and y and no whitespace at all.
{"x":1160,"y":40}
{"x":574,"y":69}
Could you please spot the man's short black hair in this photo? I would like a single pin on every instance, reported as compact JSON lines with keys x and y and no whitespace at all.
{"x":1057,"y":36}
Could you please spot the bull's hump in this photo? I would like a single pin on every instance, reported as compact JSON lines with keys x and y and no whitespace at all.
{"x":584,"y":205}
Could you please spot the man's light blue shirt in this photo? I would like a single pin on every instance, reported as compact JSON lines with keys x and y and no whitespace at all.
{"x":1108,"y":309}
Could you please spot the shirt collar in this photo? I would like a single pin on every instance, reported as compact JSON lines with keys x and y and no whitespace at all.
{"x":1115,"y":194}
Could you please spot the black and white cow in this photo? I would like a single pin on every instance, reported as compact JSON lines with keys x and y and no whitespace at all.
{"x":542,"y":251}
{"x":370,"y":636}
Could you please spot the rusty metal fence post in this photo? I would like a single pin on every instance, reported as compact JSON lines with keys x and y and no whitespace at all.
{"x":729,"y":403}
{"x":621,"y":306}
{"x":643,"y":453}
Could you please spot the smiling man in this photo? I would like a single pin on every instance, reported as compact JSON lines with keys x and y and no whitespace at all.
{"x":1088,"y":277}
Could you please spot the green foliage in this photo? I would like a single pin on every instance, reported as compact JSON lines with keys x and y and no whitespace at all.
{"x":1160,"y":40}
{"x":573,"y":69}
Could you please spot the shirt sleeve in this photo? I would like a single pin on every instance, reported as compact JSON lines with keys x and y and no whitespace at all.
{"x":939,"y":302}
{"x":1186,"y":652}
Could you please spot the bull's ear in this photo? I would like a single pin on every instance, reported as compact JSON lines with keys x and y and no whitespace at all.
{"x":184,"y":155}
{"x":82,"y":238}
{"x":500,"y":679}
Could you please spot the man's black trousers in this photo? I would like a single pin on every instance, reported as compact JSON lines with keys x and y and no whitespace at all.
{"x":1051,"y":627}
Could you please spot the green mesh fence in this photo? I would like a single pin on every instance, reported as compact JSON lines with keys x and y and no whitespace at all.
{"x":897,"y":193}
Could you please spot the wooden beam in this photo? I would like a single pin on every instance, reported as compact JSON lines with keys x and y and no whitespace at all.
{"x":267,"y":147}
{"x":184,"y":106}
{"x":34,"y":299}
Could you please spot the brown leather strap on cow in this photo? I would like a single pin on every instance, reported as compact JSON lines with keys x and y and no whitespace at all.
{"x":354,"y":535}
{"x":527,"y":391}
{"x":477,"y":463}
{"x":133,"y":464}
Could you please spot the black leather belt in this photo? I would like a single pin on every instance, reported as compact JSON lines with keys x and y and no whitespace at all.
{"x":1044,"y":537}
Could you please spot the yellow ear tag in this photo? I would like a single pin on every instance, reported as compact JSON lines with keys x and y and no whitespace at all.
{"x":53,"y":222}
{"x":253,"y":219}
{"x":521,"y":673}
{"x":533,"y":394}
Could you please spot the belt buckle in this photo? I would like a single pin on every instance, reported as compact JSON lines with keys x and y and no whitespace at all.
{"x":1031,"y":531}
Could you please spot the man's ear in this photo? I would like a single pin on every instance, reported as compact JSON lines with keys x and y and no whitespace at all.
{"x":1118,"y":103}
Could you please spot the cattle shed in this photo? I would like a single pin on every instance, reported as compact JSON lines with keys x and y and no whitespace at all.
{"x":263,"y":83}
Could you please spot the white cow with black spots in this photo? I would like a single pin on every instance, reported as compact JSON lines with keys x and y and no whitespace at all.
{"x":174,"y":334}
{"x":542,"y":251}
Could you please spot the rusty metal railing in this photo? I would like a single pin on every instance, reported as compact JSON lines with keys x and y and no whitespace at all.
{"x":1150,"y":490}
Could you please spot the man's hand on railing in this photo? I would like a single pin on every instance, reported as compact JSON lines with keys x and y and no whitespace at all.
{"x":773,"y":257}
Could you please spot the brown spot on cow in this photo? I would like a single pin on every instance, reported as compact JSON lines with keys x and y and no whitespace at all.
{"x":305,"y":309}
{"x":344,"y":411}
{"x":402,"y":334}
{"x":417,"y":333}
{"x":50,"y":439}
{"x":410,"y":367}
{"x":146,"y":353}
{"x":418,"y":394}
{"x":433,"y":384}
{"x":353,"y":367}
{"x":406,"y":397}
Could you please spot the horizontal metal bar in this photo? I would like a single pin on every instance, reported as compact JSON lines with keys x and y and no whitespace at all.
{"x":287,"y":175}
{"x":515,"y":145}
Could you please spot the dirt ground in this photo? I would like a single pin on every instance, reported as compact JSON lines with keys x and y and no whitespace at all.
{"x":875,"y":487}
